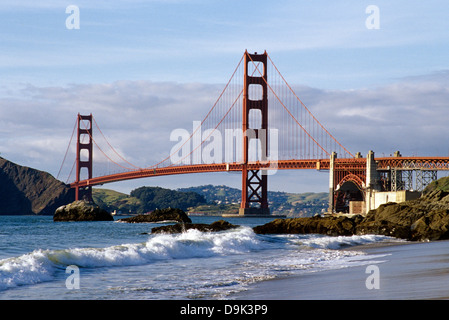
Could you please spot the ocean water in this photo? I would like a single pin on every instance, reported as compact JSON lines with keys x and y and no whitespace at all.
{"x":42,"y":259}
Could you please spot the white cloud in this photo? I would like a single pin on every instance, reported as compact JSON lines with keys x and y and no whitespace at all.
{"x":135,"y":116}
{"x":409,"y":115}
{"x":138,"y":116}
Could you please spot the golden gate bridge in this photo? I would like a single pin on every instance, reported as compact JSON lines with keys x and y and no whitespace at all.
{"x":256,"y":126}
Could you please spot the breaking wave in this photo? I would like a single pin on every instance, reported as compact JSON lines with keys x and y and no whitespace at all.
{"x":44,"y":265}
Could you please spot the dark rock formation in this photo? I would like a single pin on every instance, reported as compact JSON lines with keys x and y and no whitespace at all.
{"x":426,"y":218}
{"x":81,"y":211}
{"x":330,"y":225}
{"x":219,"y":225}
{"x":25,"y":190}
{"x":158,"y":215}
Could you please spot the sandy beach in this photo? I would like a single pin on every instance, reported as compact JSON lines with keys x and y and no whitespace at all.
{"x":405,"y":271}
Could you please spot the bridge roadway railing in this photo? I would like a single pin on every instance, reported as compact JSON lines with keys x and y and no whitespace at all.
{"x":317,"y":164}
{"x":413,"y":163}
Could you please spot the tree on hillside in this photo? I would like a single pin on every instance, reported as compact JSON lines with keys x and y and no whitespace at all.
{"x":157,"y":197}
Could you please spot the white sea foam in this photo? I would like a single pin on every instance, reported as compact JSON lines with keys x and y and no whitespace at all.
{"x":41,"y":265}
{"x":339,"y":242}
{"x":320,"y":252}
{"x":44,"y":265}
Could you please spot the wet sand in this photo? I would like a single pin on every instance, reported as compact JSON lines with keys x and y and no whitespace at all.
{"x":406,"y":271}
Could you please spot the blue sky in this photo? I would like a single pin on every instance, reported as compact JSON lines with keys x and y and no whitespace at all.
{"x":317,"y":43}
{"x":389,"y":82}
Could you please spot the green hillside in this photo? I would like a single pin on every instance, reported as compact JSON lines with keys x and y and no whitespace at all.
{"x":441,"y":184}
{"x":145,"y":199}
{"x":290,"y":204}
{"x":207,"y":199}
{"x":111,"y":200}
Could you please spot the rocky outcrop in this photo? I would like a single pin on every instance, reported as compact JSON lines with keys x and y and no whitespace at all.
{"x":24,"y":190}
{"x":426,"y":218}
{"x":330,"y":225}
{"x":158,"y":215}
{"x":219,"y":225}
{"x":81,"y":211}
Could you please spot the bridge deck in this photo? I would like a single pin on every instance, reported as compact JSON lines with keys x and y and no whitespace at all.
{"x":385,"y":163}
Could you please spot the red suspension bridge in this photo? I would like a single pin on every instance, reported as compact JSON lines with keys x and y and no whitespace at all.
{"x":256,"y":126}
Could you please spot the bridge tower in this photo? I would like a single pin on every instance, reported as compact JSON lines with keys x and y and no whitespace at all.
{"x":254,"y":182}
{"x":84,"y":159}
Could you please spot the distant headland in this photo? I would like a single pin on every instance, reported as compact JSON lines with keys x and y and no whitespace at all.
{"x":27,"y":191}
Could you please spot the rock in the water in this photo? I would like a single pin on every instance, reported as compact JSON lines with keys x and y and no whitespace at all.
{"x":219,"y":225}
{"x":158,"y":215}
{"x":329,"y":225}
{"x":81,"y":211}
{"x":426,"y":218}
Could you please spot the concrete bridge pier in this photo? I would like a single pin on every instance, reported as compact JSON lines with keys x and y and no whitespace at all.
{"x":372,"y":180}
{"x":331,"y":182}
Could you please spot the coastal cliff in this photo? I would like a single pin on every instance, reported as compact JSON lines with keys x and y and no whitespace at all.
{"x":25,"y":190}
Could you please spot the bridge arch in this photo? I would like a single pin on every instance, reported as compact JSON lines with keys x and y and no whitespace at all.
{"x":356,"y":179}
{"x":349,"y":188}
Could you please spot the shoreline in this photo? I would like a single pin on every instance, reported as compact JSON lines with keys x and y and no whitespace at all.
{"x":407,"y":271}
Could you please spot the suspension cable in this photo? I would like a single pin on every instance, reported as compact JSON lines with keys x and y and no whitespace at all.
{"x":210,"y":111}
{"x":310,"y":136}
{"x":101,"y":150}
{"x":67,"y":150}
{"x":305,"y":107}
{"x":112,"y":148}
